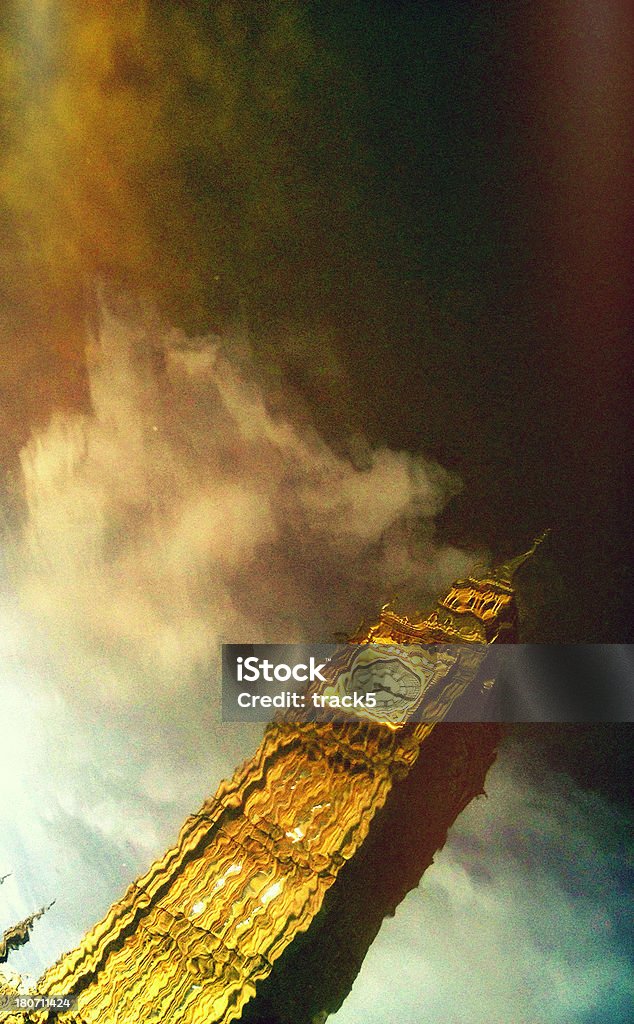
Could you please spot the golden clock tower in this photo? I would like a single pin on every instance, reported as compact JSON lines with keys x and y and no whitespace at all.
{"x":267,"y":904}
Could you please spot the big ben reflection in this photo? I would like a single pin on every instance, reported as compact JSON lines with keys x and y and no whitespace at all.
{"x":265,"y":907}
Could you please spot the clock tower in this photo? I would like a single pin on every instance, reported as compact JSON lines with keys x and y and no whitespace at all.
{"x":265,"y":907}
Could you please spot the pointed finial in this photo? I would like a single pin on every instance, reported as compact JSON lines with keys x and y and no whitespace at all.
{"x":505,"y":572}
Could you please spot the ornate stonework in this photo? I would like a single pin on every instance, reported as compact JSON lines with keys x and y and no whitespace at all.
{"x":264,"y":908}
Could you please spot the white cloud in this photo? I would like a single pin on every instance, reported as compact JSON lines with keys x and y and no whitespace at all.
{"x":180,"y":511}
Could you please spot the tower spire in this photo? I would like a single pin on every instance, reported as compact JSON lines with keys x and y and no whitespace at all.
{"x":505,"y":572}
{"x":19,"y":934}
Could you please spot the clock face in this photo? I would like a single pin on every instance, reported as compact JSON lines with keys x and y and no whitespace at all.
{"x":397,"y":677}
